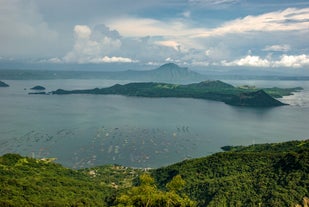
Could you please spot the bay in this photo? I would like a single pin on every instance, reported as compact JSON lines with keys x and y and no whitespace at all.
{"x":88,"y":130}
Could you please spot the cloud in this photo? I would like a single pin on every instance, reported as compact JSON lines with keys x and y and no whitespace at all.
{"x":82,"y":32}
{"x":237,"y":36}
{"x":252,"y":61}
{"x":212,"y":2}
{"x":290,"y":61}
{"x":293,"y":61}
{"x":277,"y":48}
{"x":170,"y":43}
{"x":90,"y":46}
{"x":113,"y":59}
{"x":24,"y":32}
{"x":290,"y":19}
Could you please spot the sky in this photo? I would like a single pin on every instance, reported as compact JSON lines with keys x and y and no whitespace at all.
{"x":194,"y":33}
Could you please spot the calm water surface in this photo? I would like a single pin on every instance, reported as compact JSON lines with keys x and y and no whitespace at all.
{"x":87,"y":130}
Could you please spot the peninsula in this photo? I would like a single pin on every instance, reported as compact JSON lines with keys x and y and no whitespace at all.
{"x":3,"y":84}
{"x":210,"y":90}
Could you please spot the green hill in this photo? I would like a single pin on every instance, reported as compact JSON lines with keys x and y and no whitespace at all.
{"x":257,"y":175}
{"x":211,"y":90}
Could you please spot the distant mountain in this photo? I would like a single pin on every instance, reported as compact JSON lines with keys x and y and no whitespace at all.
{"x":172,"y":72}
{"x":169,"y":72}
{"x":3,"y":84}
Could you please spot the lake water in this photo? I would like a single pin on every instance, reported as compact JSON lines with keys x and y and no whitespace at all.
{"x":88,"y":130}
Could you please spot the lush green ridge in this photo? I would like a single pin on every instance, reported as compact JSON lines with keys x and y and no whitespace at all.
{"x":30,"y":182}
{"x":212,"y":90}
{"x":258,"y":175}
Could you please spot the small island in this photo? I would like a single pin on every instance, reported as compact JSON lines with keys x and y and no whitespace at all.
{"x":38,"y":88}
{"x":210,"y":90}
{"x":3,"y":84}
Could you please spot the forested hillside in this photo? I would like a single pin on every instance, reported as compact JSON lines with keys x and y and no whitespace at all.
{"x":258,"y":175}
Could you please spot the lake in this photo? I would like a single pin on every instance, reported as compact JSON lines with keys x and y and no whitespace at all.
{"x":88,"y":130}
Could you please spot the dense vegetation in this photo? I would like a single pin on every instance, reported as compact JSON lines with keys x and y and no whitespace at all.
{"x":258,"y":175}
{"x":212,"y":90}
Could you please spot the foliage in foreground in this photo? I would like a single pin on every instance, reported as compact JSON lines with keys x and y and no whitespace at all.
{"x":258,"y":175}
{"x":147,"y":194}
{"x":29,"y":182}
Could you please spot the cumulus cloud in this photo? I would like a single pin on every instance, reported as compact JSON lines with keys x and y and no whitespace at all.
{"x":90,"y":46}
{"x":82,"y":32}
{"x":291,"y":61}
{"x":254,"y":61}
{"x":113,"y":59}
{"x":294,"y":61}
{"x":243,"y":34}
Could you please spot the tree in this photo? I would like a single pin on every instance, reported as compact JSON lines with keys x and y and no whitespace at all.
{"x":148,"y":195}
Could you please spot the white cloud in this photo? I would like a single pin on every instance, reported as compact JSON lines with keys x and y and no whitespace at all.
{"x":113,"y":59}
{"x":89,"y":48}
{"x":290,"y":61}
{"x":269,"y":22}
{"x":53,"y":60}
{"x":254,"y":61}
{"x":82,"y":31}
{"x":290,"y":19}
{"x":293,"y":61}
{"x":277,"y":48}
{"x":243,"y":33}
{"x":170,"y":43}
